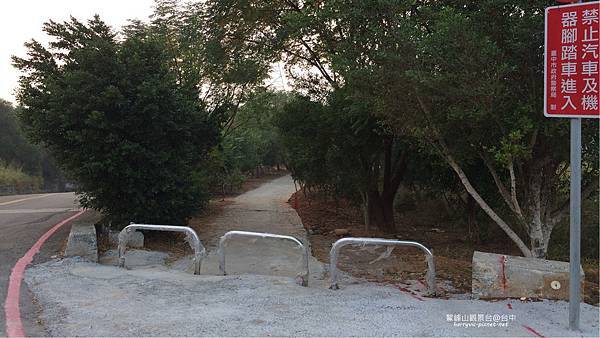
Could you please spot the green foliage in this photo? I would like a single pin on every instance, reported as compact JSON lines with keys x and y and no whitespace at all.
{"x":253,"y":136}
{"x":387,"y":93}
{"x":353,"y":55}
{"x":24,"y":156}
{"x":222,"y":77}
{"x":306,"y":139}
{"x":331,"y":146}
{"x":221,"y":174}
{"x":251,"y":142}
{"x":113,"y":115}
{"x":226,"y":82}
{"x":480,"y":82}
{"x":590,"y":234}
{"x":13,"y":180}
{"x":463,"y":78}
{"x":13,"y":145}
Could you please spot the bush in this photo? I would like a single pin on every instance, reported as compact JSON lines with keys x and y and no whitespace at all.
{"x":222,"y":176}
{"x":590,"y":246}
{"x":13,"y":180}
{"x":113,"y":115}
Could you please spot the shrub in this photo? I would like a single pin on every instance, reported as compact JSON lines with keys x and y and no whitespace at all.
{"x":113,"y":115}
{"x":14,"y":180}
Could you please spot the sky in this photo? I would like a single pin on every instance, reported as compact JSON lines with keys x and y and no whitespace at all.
{"x":22,"y":20}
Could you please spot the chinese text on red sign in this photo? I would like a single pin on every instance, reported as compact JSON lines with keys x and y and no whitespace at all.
{"x":571,"y":65}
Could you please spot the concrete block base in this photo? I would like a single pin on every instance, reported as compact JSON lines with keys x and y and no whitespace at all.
{"x":503,"y":276}
{"x":136,"y":239}
{"x":82,"y":242}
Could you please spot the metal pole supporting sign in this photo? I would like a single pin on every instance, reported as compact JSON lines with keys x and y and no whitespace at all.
{"x":575,"y":225}
{"x":571,"y":30}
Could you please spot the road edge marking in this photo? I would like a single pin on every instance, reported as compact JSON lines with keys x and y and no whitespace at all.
{"x":14,"y":325}
{"x":534,"y":332}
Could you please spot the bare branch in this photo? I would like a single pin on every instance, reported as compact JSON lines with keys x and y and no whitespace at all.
{"x":482,"y":203}
{"x":399,"y":169}
{"x":501,"y":187}
{"x":513,"y":190}
{"x":445,"y":152}
{"x":318,"y":63}
{"x":533,"y":138}
{"x":231,"y":119}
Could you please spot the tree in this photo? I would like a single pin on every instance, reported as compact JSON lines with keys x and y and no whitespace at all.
{"x":255,"y":123}
{"x":221,"y":80}
{"x":336,"y":147}
{"x":251,"y":143}
{"x":330,"y":47}
{"x":307,"y":139}
{"x":18,"y":152}
{"x":14,"y":148}
{"x":469,"y":87}
{"x":479,"y":87}
{"x":114,"y":116}
{"x":221,"y":77}
{"x":369,"y":48}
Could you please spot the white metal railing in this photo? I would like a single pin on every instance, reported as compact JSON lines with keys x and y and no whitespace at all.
{"x":333,"y":256}
{"x":301,"y":278}
{"x":191,"y":237}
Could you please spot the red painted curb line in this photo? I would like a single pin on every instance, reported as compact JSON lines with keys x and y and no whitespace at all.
{"x":502,"y":268}
{"x":410,"y":293}
{"x":14,"y":326}
{"x":422,"y":282}
{"x":533,"y":331}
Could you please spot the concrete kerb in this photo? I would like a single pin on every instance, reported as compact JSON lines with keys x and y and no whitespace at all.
{"x":191,"y":237}
{"x":136,"y":239}
{"x":504,"y":276}
{"x":82,"y":240}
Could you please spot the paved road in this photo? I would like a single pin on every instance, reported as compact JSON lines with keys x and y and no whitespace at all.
{"x":23,"y":220}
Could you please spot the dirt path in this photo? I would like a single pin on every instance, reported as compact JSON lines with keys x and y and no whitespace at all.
{"x":263,"y":209}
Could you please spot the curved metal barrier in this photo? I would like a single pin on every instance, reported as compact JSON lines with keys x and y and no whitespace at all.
{"x":333,"y":256}
{"x":191,"y":237}
{"x":301,"y":278}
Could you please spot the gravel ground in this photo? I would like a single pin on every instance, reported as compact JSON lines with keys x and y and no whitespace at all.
{"x":154,"y":298}
{"x":85,"y":299}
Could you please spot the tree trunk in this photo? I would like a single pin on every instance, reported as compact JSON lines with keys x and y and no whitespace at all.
{"x":472,"y":218}
{"x":483,"y":204}
{"x":539,"y":245}
{"x":380,"y":211}
{"x":539,"y":237}
{"x":365,"y":208}
{"x":378,"y":205}
{"x":540,"y":226}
